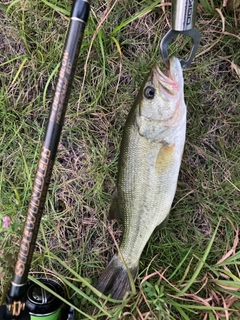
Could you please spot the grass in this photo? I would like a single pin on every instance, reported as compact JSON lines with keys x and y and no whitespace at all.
{"x":180,"y":276}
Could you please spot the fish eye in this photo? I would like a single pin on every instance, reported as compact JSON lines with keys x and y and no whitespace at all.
{"x":149,"y":92}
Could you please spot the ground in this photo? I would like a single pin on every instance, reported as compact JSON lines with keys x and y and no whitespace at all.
{"x":76,"y":239}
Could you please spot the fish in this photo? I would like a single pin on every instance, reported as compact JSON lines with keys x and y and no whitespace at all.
{"x":149,"y":162}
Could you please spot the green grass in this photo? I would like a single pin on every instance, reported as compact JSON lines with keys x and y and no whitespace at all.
{"x":179,"y":277}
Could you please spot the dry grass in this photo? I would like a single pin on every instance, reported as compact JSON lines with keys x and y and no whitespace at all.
{"x":121,"y":43}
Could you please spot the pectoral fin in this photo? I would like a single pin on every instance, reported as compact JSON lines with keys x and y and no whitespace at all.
{"x":165,"y":158}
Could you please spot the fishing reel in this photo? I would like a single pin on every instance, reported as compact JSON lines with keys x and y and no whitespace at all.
{"x":40,"y":303}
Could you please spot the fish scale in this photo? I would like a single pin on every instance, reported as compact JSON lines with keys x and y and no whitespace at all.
{"x":148,"y":204}
{"x":149,"y":162}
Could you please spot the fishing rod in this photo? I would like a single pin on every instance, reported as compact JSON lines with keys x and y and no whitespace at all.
{"x":24,"y":299}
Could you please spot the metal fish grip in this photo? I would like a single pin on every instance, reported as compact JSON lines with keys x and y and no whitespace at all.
{"x":182,"y":22}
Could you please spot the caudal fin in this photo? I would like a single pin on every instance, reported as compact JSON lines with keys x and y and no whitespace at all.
{"x":114,"y":280}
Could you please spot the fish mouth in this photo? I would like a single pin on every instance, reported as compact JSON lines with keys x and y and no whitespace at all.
{"x":170,"y":80}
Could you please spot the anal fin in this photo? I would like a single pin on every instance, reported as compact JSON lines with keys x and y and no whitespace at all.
{"x":162,"y":224}
{"x":114,"y":212}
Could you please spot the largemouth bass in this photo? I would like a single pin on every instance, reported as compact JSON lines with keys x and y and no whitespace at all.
{"x":150,"y":157}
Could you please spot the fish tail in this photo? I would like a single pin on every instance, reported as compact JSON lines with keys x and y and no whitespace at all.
{"x":115,"y":280}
